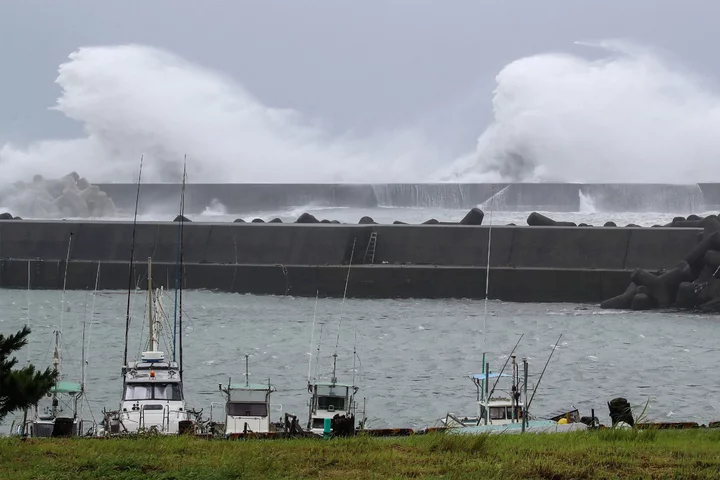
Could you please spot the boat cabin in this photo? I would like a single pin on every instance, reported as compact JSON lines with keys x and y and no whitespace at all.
{"x":52,"y":422}
{"x":247,"y":408}
{"x":328,"y":400}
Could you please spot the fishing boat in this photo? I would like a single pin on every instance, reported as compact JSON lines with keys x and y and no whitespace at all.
{"x":508,"y":412}
{"x":63,"y":416}
{"x":333,"y":405}
{"x":153,"y":399}
{"x":247,"y":406}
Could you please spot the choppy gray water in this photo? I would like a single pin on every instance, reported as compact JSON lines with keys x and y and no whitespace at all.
{"x":415,"y":354}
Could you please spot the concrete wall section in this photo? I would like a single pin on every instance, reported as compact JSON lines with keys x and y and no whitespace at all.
{"x":508,"y":284}
{"x":325,"y":244}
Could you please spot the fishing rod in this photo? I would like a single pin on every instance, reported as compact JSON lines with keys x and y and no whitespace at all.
{"x":130,"y":268}
{"x":527,"y":407}
{"x":342,"y":305}
{"x":312,"y":334}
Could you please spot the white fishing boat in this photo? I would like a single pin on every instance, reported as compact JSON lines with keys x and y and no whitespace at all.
{"x":247,"y":406}
{"x":335,"y":403}
{"x":153,"y":399}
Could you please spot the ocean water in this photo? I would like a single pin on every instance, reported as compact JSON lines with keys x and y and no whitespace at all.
{"x":413,"y":356}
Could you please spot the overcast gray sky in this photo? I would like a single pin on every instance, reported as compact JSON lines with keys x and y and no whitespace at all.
{"x":355,"y":64}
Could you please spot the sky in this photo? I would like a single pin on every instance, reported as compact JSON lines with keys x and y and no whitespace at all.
{"x":356,"y":68}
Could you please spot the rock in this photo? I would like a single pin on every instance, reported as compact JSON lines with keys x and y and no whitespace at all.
{"x":696,"y":257}
{"x":474,"y":217}
{"x":238,"y":220}
{"x":83,"y":184}
{"x":537,"y":220}
{"x":686,"y":295}
{"x":641,"y":301}
{"x":182,"y":218}
{"x":663,"y":288}
{"x":693,"y":217}
{"x":610,"y":224}
{"x":632,"y":225}
{"x":432,"y":221}
{"x":511,"y":225}
{"x":367,"y":221}
{"x":17,"y":218}
{"x":622,"y":301}
{"x":72,"y":203}
{"x":398,"y":222}
{"x":325,"y":221}
{"x":276,"y":220}
{"x":6,"y":216}
{"x":335,"y":221}
{"x":678,"y":219}
{"x":584,"y":225}
{"x":257,"y":220}
{"x":306,"y":218}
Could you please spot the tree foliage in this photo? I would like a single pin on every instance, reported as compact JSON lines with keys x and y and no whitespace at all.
{"x":24,"y":387}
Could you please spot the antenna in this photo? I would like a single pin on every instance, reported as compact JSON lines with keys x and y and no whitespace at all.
{"x":347,"y":281}
{"x":312,"y":334}
{"x":92,"y":315}
{"x":130,"y":269}
{"x":247,"y":370}
{"x":543,"y":372}
{"x":317,"y":357}
{"x":180,"y":276}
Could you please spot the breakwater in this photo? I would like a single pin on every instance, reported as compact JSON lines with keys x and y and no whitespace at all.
{"x":539,"y":264}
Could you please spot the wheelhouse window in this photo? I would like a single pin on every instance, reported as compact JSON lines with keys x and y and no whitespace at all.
{"x":332,"y":403}
{"x":246,"y":409}
{"x":153,"y":391}
{"x":332,"y":397}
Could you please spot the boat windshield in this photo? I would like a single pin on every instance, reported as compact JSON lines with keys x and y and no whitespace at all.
{"x":246,"y":409}
{"x":153,"y":391}
{"x":331,"y":403}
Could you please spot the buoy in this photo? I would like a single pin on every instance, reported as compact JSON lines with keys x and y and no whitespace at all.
{"x":563,"y":421}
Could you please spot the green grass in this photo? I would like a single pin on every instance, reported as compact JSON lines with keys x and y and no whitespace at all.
{"x":603,"y":454}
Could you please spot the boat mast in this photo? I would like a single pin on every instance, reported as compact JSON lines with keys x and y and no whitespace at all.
{"x":130,"y":270}
{"x":247,"y":370}
{"x":182,"y":226}
{"x":151,"y":322}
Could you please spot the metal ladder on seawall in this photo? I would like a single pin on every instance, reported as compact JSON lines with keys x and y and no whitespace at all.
{"x":369,"y":257}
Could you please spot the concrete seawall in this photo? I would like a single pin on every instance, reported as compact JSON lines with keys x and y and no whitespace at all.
{"x":527,"y":263}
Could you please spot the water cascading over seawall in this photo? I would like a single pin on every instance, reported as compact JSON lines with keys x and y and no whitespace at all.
{"x":552,"y":197}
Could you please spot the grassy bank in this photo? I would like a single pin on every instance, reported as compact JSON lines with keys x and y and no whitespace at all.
{"x":605,"y":454}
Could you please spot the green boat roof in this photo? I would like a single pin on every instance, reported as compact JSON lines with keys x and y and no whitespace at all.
{"x":64,"y":386}
{"x":251,"y":386}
